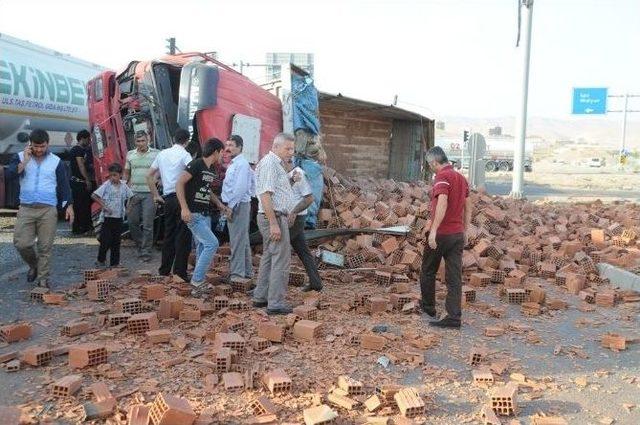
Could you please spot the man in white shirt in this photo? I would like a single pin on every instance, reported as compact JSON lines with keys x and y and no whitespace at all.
{"x":169,"y":164}
{"x":237,"y":189}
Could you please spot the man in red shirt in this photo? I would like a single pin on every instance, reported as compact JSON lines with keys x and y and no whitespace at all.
{"x":450,"y":215}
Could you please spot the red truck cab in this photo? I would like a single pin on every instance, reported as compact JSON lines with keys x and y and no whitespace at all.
{"x":192,"y":91}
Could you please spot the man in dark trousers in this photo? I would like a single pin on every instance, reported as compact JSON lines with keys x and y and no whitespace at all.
{"x":169,"y":165}
{"x":450,"y":215}
{"x":81,"y":183}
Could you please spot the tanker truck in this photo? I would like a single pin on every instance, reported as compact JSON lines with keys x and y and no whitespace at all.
{"x":39,"y":88}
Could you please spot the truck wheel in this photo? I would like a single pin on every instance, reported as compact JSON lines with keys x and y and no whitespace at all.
{"x":490,"y":166}
{"x":504,"y":166}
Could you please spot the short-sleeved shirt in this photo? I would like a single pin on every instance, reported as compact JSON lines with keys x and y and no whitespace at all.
{"x":171,"y":163}
{"x":114,"y":197}
{"x":198,"y":189}
{"x":79,"y":151}
{"x":272,"y":177}
{"x":453,"y":184}
{"x":138,"y":164}
{"x":301,"y":188}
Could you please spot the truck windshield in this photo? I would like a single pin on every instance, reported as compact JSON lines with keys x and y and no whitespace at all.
{"x":167,"y":82}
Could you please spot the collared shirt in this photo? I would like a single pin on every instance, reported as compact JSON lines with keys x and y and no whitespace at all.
{"x":239,"y":183}
{"x":114,"y":197}
{"x":301,"y":188}
{"x":272,"y":177}
{"x":453,"y":184}
{"x":138,"y":164}
{"x":44,"y":182}
{"x":171,"y":162}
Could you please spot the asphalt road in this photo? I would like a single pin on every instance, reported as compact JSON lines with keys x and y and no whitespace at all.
{"x":537,"y":191}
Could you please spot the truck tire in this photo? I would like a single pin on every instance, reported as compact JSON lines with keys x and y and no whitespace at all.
{"x":504,"y":166}
{"x":490,"y":166}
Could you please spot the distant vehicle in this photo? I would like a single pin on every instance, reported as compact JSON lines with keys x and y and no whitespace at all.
{"x":596,"y":162}
{"x":496,"y":159}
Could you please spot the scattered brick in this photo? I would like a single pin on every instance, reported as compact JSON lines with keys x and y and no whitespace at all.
{"x":342,"y":401}
{"x":15,"y":332}
{"x":98,"y":410}
{"x":189,"y":315}
{"x":13,"y":366}
{"x":143,"y":322}
{"x":233,"y":381}
{"x":53,"y":298}
{"x":319,"y":415}
{"x":159,"y":336}
{"x":36,"y":356}
{"x":98,"y":289}
{"x":36,"y":294}
{"x":503,"y":399}
{"x":132,"y":306}
{"x":75,"y":328}
{"x":277,"y":381}
{"x":482,"y":376}
{"x":306,"y":330}
{"x":171,"y":410}
{"x":89,"y":354}
{"x":263,"y":406}
{"x":372,"y":342}
{"x":373,"y":403}
{"x":138,"y":415}
{"x":489,"y":417}
{"x":271,"y":331}
{"x":306,"y":312}
{"x":477,"y":355}
{"x":67,"y":386}
{"x":614,"y":342}
{"x":410,"y":403}
{"x":152,"y":292}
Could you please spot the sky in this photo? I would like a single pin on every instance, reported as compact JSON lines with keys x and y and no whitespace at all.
{"x":441,"y":57}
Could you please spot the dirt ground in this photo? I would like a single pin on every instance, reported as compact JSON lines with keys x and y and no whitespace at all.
{"x":566,"y":371}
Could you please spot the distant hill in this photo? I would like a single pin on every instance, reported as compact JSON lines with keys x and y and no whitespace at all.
{"x":593,"y":130}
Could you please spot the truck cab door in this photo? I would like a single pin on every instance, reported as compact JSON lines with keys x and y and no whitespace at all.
{"x":198,"y":91}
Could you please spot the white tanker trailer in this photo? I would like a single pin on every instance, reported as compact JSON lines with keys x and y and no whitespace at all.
{"x":40,"y":88}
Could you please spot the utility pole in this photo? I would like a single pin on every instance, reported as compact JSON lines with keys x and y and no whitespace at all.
{"x":624,"y":124}
{"x":521,"y":119}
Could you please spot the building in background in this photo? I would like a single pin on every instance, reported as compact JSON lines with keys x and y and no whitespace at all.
{"x":274,"y":61}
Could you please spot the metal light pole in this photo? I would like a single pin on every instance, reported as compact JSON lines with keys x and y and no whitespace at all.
{"x":624,"y":124}
{"x":521,"y":119}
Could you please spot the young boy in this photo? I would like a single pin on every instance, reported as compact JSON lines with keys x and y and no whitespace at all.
{"x":111,"y":196}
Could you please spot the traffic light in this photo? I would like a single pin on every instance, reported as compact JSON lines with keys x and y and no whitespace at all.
{"x":465,"y":136}
{"x":171,"y":45}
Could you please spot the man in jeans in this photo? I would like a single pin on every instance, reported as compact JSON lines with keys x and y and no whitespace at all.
{"x":44,"y":186}
{"x":195,"y":195}
{"x":275,"y":203}
{"x":237,"y":189}
{"x":141,"y":207}
{"x":297,"y":218}
{"x":169,"y":164}
{"x":450,"y":217}
{"x":81,"y":183}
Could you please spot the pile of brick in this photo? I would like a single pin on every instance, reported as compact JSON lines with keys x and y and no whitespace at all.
{"x":143,"y":351}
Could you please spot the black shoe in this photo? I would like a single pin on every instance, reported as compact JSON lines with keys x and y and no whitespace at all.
{"x":259,"y":304}
{"x":32,"y":274}
{"x":429,"y":312}
{"x":446,"y":323}
{"x":279,"y":311}
{"x":309,"y":288}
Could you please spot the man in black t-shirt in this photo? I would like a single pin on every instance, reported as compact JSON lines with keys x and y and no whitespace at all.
{"x":81,"y":183}
{"x":195,"y":195}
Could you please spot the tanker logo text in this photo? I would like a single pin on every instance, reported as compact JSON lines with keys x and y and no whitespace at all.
{"x":26,"y":81}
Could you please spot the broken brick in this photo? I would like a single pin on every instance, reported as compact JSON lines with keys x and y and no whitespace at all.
{"x":36,"y":356}
{"x":319,"y":415}
{"x":410,"y":403}
{"x":159,"y":336}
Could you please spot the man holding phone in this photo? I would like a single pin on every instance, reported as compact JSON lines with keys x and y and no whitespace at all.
{"x":44,"y":187}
